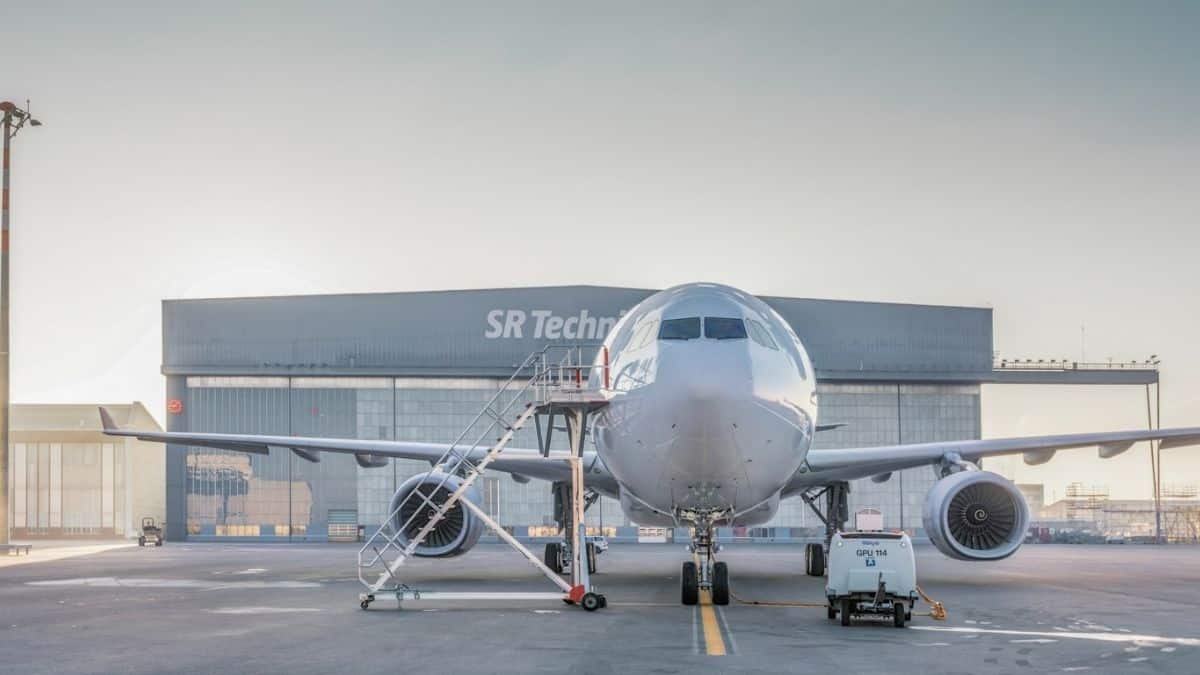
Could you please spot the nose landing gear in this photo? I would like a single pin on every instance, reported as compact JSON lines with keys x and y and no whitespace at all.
{"x":704,"y":573}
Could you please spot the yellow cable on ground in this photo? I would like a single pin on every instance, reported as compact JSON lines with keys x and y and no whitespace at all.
{"x":773,"y":603}
{"x":936,"y":609}
{"x":776,"y":603}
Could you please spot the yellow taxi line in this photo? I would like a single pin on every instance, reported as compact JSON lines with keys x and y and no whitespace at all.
{"x":714,"y":644}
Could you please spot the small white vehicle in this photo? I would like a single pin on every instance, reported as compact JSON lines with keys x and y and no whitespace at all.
{"x":871,"y":573}
{"x":600,"y":543}
{"x":150,"y":532}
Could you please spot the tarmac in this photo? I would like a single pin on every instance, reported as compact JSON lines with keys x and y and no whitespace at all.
{"x":234,"y":608}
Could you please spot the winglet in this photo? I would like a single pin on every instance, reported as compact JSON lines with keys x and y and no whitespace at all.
{"x":106,"y":420}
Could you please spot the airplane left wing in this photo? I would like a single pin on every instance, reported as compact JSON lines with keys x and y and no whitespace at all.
{"x":825,"y":466}
{"x":521,"y":462}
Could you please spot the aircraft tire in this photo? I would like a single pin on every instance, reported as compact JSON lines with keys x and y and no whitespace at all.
{"x":552,"y":557}
{"x":720,"y":584}
{"x":689,"y":585}
{"x":814,"y":560}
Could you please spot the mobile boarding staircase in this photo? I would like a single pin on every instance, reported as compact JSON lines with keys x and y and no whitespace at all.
{"x":552,"y":381}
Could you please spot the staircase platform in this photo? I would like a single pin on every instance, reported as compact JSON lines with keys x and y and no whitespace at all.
{"x":589,"y":400}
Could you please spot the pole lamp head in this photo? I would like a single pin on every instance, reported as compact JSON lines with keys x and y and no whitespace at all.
{"x":34,"y":123}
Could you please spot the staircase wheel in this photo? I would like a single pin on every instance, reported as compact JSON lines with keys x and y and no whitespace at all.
{"x":590,"y":602}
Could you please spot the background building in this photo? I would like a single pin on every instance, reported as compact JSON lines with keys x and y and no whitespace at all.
{"x":67,"y":479}
{"x":1035,"y":497}
{"x":419,"y":366}
{"x":1089,"y":509}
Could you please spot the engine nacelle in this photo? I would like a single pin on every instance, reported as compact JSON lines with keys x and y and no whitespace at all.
{"x":976,"y":515}
{"x":454,"y":534}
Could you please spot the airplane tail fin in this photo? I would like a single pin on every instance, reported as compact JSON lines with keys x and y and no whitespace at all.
{"x":106,"y":420}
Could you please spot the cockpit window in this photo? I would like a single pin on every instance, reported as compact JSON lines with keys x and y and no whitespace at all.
{"x":680,"y":329}
{"x":643,"y":335}
{"x":721,"y":328}
{"x":759,"y":334}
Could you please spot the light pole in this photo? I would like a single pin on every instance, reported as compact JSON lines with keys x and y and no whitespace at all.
{"x":14,"y":119}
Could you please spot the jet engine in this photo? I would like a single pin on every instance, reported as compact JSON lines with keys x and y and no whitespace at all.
{"x":454,"y":534}
{"x":976,"y":515}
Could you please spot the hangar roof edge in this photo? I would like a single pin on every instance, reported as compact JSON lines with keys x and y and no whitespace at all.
{"x":551,"y":287}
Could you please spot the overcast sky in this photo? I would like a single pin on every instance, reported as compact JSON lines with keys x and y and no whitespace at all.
{"x":1039,"y":158}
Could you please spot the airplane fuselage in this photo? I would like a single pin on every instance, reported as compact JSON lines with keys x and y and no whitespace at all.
{"x":712,"y":407}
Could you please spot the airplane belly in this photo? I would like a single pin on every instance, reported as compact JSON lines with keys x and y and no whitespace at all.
{"x":716,"y":456}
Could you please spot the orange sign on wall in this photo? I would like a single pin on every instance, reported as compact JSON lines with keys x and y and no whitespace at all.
{"x":174,"y":406}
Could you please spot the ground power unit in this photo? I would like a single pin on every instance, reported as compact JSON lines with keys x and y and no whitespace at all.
{"x":871,"y":573}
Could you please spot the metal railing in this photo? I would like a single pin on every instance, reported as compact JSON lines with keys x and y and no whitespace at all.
{"x":1066,"y":365}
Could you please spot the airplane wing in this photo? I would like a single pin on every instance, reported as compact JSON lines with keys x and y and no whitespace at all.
{"x":521,"y":462}
{"x":825,"y":466}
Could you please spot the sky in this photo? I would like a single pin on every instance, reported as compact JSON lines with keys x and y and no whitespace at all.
{"x":1041,"y":159}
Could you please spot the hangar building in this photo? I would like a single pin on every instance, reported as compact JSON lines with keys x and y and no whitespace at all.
{"x":419,"y":366}
{"x":68,"y":480}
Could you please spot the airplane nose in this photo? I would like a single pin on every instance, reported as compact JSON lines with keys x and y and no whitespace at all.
{"x":715,"y":373}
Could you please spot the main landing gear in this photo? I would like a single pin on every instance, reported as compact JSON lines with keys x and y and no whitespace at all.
{"x":557,"y":555}
{"x":834,"y":516}
{"x":704,"y":573}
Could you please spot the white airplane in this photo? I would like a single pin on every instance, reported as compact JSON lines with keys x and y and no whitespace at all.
{"x":712,"y":408}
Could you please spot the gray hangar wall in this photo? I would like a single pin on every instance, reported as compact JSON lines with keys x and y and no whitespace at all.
{"x":418,"y":366}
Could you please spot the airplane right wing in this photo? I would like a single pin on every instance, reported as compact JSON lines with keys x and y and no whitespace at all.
{"x":825,"y":466}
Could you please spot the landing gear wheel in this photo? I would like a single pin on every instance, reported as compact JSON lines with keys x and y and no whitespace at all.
{"x":845,"y":611}
{"x":899,"y":615}
{"x":814,"y":560}
{"x":831,"y":612}
{"x":592,"y":602}
{"x":591,"y":558}
{"x":720,"y":584}
{"x":553,"y":557}
{"x":689,"y":584}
